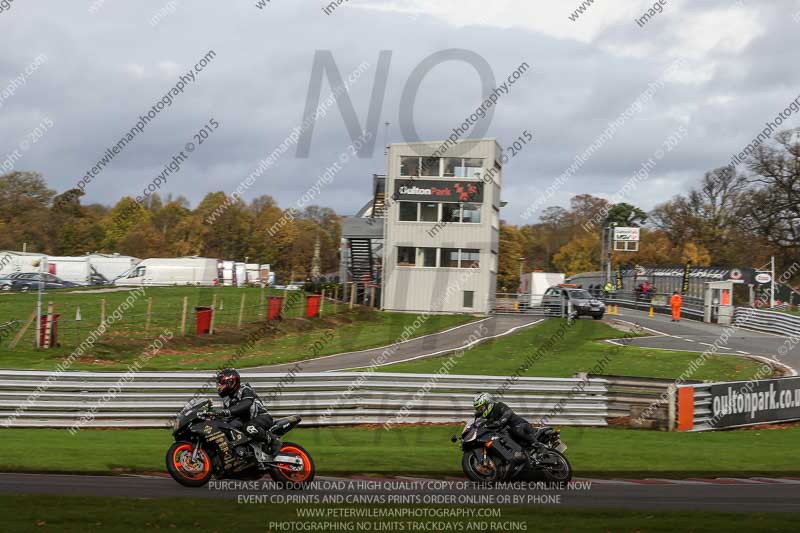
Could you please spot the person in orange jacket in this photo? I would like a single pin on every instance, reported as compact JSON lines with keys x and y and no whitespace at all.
{"x":675,"y":302}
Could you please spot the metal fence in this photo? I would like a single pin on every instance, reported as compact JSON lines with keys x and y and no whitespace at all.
{"x":692,"y":307}
{"x":151,"y":399}
{"x":533,"y":304}
{"x":768,"y":321}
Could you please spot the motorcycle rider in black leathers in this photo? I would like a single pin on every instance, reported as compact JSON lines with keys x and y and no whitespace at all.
{"x":241,"y":402}
{"x":499,"y":415}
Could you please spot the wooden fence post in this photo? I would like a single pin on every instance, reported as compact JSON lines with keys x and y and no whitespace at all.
{"x":241,"y":312}
{"x":335,"y":293}
{"x":372,"y":296}
{"x":321,"y":302}
{"x":102,"y":311}
{"x":353,"y":289}
{"x":22,"y":331}
{"x":149,"y":312}
{"x":261,"y":300}
{"x":213,"y":314}
{"x":183,"y":316}
{"x":48,"y":330}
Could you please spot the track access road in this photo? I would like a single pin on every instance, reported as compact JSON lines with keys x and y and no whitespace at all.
{"x":694,"y":336}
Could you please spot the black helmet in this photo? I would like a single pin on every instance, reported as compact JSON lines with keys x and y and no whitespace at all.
{"x":228,"y":381}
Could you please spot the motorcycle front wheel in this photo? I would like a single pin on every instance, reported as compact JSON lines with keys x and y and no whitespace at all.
{"x":288,"y":476}
{"x":183,"y":469}
{"x":478,"y":471}
{"x":555,"y":466}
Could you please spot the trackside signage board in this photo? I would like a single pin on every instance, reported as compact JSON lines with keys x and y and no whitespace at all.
{"x":626,"y":234}
{"x":752,"y":402}
{"x":438,"y":190}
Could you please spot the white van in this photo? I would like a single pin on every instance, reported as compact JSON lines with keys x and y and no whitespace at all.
{"x":165,"y":272}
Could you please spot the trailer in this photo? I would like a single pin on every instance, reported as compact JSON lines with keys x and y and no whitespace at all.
{"x":111,"y":266}
{"x":15,"y":262}
{"x":74,"y":269}
{"x":534,"y":284}
{"x":228,"y":277}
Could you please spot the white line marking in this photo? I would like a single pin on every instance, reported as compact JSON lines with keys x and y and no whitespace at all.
{"x":448,"y":350}
{"x":744,"y":353}
{"x":644,"y":327}
{"x":387,"y":346}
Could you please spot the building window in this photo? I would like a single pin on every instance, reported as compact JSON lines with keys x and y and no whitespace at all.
{"x":458,"y":167}
{"x":471,"y":213}
{"x":450,"y":166}
{"x":429,"y":212}
{"x":450,"y":257}
{"x":409,"y":166}
{"x":428,"y":256}
{"x":408,"y":211}
{"x":451,"y":213}
{"x":470,"y":258}
{"x":472,"y":167}
{"x":430,"y":167}
{"x":406,"y":256}
{"x":469,"y":298}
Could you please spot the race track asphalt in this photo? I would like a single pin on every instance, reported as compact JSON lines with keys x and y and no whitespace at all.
{"x":722,"y":495}
{"x":694,"y":336}
{"x":425,"y":346}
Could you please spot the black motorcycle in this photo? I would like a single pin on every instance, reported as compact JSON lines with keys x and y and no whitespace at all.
{"x":207,"y":446}
{"x":492,"y":455}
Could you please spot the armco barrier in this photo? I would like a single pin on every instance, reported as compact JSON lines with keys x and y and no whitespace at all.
{"x":768,"y":321}
{"x":709,"y":406}
{"x":151,"y":399}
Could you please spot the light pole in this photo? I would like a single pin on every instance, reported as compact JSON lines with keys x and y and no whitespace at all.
{"x":610,"y":247}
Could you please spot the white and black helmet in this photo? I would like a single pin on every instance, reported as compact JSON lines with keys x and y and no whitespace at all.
{"x":483,"y":404}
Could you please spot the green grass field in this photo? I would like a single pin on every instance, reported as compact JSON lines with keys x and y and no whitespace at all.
{"x":295,"y":338}
{"x":595,"y":452}
{"x":73,"y":513}
{"x":580,"y":350}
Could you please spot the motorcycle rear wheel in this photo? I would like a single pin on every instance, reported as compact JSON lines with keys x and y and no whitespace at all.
{"x":478,"y":472}
{"x":555,"y":466}
{"x":185,"y":471}
{"x":289,"y":478}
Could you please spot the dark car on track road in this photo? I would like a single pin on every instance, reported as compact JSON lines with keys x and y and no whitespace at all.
{"x":558,"y":298}
{"x":25,"y":281}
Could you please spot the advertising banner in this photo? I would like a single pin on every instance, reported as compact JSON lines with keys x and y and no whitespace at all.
{"x":752,"y":402}
{"x":438,"y":190}
{"x":626,"y":234}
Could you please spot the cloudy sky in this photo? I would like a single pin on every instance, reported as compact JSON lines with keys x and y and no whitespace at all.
{"x":103,"y":63}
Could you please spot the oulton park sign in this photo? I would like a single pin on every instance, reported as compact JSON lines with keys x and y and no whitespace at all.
{"x":438,"y":190}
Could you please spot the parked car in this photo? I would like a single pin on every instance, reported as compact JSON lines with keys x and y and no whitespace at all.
{"x":24,"y":281}
{"x":558,"y":298}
